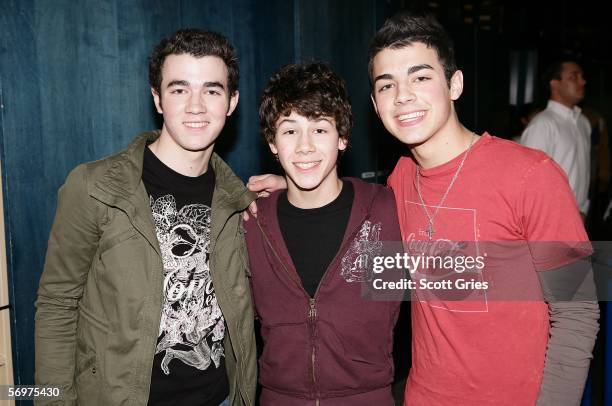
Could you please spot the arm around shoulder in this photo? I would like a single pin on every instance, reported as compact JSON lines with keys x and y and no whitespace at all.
{"x":70,"y":251}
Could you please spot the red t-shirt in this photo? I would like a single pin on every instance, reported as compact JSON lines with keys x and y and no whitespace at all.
{"x":515,"y":204}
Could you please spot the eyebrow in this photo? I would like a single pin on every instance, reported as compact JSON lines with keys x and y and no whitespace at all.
{"x":417,"y":68}
{"x":316,"y":120}
{"x":410,"y":71}
{"x":214,"y":84}
{"x":186,"y":83}
{"x":178,"y":83}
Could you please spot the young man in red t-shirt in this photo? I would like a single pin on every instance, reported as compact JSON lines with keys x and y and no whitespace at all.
{"x":528,"y":339}
{"x":502,"y":348}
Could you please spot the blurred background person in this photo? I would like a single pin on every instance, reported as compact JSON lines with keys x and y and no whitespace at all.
{"x":562,"y":131}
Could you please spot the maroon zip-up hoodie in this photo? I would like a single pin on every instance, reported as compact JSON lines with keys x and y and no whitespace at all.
{"x":336,"y":347}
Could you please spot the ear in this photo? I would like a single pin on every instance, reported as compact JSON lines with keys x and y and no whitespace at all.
{"x":233,"y":102}
{"x":273,"y":148}
{"x":342,"y":143}
{"x":374,"y":104}
{"x":157,"y":101}
{"x":456,"y":85}
{"x":554,"y":84}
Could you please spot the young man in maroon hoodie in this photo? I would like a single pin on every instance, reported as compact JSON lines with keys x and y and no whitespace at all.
{"x":311,"y":248}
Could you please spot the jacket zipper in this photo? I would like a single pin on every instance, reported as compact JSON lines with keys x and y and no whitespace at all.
{"x":312,"y":309}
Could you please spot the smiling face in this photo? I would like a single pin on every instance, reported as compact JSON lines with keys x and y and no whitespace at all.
{"x":308,"y":150}
{"x":411,"y":94}
{"x":194,"y":101}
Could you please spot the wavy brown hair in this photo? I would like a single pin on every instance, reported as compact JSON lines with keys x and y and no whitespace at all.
{"x":311,"y":90}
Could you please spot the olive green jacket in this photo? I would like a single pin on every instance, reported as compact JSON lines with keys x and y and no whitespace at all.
{"x":100,"y":295}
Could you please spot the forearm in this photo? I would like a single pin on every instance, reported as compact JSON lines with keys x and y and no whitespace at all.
{"x":55,"y":345}
{"x":573,"y":332}
{"x":574,"y":313}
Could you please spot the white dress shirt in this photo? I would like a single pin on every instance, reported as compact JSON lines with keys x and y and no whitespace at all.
{"x":565,"y":135}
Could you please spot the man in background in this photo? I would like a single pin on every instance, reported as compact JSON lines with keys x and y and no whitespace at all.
{"x":562,"y":131}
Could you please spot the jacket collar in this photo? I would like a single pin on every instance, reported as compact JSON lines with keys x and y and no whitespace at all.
{"x":121,"y":186}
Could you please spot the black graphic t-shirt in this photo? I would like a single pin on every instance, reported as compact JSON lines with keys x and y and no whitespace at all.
{"x":189,"y":364}
{"x":313,"y":236}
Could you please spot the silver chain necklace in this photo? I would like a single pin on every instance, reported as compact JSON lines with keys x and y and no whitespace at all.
{"x":430,"y":218}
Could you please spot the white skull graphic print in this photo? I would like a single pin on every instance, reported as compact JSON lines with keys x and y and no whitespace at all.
{"x":192,"y":325}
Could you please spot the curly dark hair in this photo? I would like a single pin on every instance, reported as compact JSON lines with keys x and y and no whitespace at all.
{"x":311,"y":90}
{"x":197,"y":43}
{"x":404,"y":29}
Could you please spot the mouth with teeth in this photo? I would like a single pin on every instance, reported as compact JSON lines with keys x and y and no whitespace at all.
{"x":305,"y":166}
{"x":195,"y":124}
{"x":411,"y":118}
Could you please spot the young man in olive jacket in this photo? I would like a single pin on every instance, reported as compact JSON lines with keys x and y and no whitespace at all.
{"x":144,"y":297}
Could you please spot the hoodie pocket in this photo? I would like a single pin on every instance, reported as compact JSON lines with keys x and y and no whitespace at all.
{"x":285,"y":364}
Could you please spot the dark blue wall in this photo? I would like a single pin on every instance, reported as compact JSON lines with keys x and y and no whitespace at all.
{"x":73,"y":87}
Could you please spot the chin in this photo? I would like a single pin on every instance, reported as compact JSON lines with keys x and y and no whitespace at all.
{"x":411,"y":139}
{"x":306,"y":184}
{"x":197,"y":147}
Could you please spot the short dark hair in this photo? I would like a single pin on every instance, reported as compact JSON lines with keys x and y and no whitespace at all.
{"x":404,"y":29}
{"x":556,"y":67}
{"x":311,"y":90}
{"x":197,"y":43}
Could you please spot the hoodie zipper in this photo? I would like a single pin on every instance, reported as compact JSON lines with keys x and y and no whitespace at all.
{"x":312,"y":309}
{"x":312,"y":314}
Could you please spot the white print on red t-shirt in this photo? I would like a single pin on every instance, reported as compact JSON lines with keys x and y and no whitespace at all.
{"x":456,"y":234}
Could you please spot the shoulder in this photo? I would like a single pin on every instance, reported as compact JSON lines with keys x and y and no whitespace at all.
{"x":86,"y":174}
{"x":266,"y":212}
{"x":95,"y":170}
{"x":508,"y":156}
{"x":511,"y":155}
{"x":377,"y":199}
{"x":543,"y":117}
{"x":227,"y":181}
{"x":545,"y":122}
{"x":404,"y":167}
{"x":508,"y":167}
{"x":368,"y":191}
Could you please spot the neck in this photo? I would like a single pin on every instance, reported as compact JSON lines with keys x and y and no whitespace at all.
{"x":443,"y":146}
{"x":323,"y":194}
{"x":188,"y":163}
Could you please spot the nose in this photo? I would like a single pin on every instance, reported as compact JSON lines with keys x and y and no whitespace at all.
{"x":196,"y":103}
{"x":404,"y":94}
{"x":305,"y":144}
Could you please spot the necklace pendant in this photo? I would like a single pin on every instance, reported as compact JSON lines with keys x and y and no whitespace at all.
{"x":430,"y":231}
